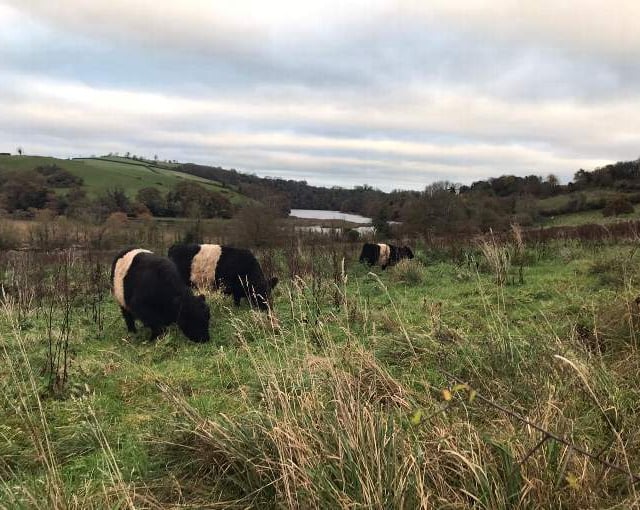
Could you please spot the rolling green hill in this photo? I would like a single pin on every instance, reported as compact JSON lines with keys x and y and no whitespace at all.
{"x":540,"y":202}
{"x":589,"y":196}
{"x":100,"y":174}
{"x":587,"y":217}
{"x":553,"y":208}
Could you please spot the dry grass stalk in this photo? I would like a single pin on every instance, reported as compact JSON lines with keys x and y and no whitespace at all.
{"x":498,"y":257}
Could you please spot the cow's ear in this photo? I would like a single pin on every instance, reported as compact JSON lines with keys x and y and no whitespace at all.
{"x":273,"y":282}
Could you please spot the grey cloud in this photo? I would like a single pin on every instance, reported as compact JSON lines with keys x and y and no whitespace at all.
{"x":393,"y":97}
{"x":377,"y":52}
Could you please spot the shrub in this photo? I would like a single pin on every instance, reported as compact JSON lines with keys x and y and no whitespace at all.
{"x":408,"y":272}
{"x":117,"y":219}
{"x":23,"y":190}
{"x":352,"y":234}
{"x":9,"y":235}
{"x":193,"y":200}
{"x":256,"y":225}
{"x":58,"y":177}
{"x":611,"y":271}
{"x":617,"y":206}
{"x":153,"y":199}
{"x":113,"y":200}
{"x":498,"y":257}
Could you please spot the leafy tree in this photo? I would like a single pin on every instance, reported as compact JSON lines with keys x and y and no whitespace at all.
{"x":111,"y":201}
{"x":380,"y":222}
{"x":191,"y":199}
{"x":436,"y":210}
{"x":265,"y":194}
{"x":73,"y":204}
{"x":153,"y":199}
{"x":23,"y":191}
{"x":256,"y":225}
{"x":58,"y":177}
{"x":553,"y":180}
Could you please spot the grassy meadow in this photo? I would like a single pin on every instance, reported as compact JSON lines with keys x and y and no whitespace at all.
{"x":101,"y":174}
{"x":588,"y":217}
{"x":346,"y":396}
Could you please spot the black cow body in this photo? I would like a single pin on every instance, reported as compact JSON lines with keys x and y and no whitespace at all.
{"x":148,"y":287}
{"x":234,"y":270}
{"x":384,"y":255}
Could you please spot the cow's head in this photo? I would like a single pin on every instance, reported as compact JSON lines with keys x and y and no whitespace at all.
{"x":263,"y":299}
{"x":407,"y":253}
{"x":193,"y":318}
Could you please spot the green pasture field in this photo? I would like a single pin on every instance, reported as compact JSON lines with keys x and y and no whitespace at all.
{"x":100,"y":174}
{"x":561,"y":200}
{"x":344,"y":396}
{"x":586,"y":217}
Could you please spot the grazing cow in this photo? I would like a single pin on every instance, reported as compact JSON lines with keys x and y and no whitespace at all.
{"x":384,"y":255}
{"x":148,"y":287}
{"x":234,"y":270}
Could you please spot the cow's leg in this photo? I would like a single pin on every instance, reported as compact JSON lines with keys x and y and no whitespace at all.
{"x":156,"y":331}
{"x":129,"y":320}
{"x":149,"y":317}
{"x":237,"y":296}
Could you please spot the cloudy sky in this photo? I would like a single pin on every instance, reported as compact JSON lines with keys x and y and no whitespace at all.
{"x":396,"y":94}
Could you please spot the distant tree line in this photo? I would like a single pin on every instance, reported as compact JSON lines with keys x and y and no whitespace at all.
{"x":291,"y":194}
{"x":510,"y":185}
{"x":491,"y":203}
{"x":623,"y":176}
{"x":441,"y":207}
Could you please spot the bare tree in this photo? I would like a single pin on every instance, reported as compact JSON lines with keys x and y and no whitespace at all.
{"x":256,"y":225}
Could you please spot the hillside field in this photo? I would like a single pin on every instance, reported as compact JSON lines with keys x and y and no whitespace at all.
{"x":100,"y":174}
{"x":587,"y":217}
{"x":347,"y":396}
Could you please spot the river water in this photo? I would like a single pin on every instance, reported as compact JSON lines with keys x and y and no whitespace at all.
{"x":319,"y":214}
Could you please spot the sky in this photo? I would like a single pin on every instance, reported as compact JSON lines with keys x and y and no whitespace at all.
{"x":394,"y":94}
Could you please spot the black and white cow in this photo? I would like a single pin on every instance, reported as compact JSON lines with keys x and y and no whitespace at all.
{"x":236,"y":271}
{"x":148,"y":287}
{"x":384,"y":255}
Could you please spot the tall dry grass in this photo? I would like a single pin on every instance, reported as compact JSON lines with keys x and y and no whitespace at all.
{"x":330,"y":426}
{"x":498,"y":256}
{"x":347,"y":409}
{"x":27,"y":437}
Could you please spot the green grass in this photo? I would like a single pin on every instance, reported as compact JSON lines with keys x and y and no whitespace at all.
{"x":100,"y":174}
{"x":337,"y":404}
{"x":586,"y":217}
{"x":582,"y":217}
{"x":561,"y":200}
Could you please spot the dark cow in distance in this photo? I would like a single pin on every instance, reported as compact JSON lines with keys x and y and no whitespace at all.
{"x":384,"y":255}
{"x":234,"y":270}
{"x":148,"y":287}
